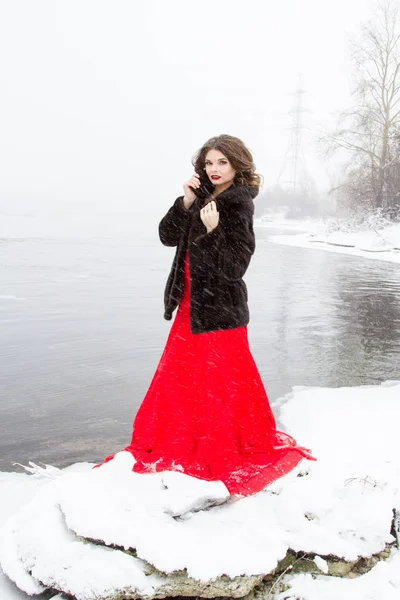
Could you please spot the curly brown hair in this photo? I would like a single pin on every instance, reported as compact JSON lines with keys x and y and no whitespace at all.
{"x":238,"y":155}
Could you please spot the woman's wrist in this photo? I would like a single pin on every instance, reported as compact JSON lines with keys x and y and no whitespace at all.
{"x":187,"y":203}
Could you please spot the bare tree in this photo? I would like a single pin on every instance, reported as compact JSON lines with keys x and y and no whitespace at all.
{"x":368,"y":132}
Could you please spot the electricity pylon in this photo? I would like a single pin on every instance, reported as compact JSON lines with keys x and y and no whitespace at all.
{"x":293,"y":176}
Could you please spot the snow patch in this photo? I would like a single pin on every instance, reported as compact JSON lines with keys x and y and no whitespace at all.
{"x":92,"y":532}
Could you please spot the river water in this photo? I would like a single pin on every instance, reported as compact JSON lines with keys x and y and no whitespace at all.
{"x":82,"y":330}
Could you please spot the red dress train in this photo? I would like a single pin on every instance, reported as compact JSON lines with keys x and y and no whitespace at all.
{"x":207,"y":413}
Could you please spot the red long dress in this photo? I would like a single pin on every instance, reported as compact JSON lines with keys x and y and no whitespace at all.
{"x":206,"y":412}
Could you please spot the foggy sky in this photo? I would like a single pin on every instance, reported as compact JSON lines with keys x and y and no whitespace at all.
{"x":105,"y":102}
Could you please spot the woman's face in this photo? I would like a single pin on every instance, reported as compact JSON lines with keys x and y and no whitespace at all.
{"x":219,"y":169}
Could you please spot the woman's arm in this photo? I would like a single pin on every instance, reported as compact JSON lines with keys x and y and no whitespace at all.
{"x":170,"y":227}
{"x":229,"y":247}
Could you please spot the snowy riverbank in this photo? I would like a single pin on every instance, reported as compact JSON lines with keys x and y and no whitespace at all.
{"x":340,"y":506}
{"x":371,"y":239}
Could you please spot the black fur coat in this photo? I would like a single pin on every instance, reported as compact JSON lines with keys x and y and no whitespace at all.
{"x":217,"y":260}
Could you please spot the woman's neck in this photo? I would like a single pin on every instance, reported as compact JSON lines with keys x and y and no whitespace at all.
{"x":219,"y":189}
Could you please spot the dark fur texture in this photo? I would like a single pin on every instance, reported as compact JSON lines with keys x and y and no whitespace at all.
{"x":217,"y":260}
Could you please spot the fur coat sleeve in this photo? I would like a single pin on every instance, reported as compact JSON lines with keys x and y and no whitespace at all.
{"x":172,"y":225}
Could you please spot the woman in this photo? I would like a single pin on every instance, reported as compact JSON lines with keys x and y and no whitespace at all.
{"x":206,"y":412}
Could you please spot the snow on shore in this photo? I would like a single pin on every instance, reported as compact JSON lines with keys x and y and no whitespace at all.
{"x":341,"y":505}
{"x":370,"y":241}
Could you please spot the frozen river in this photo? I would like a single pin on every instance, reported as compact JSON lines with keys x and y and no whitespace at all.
{"x":82,"y":330}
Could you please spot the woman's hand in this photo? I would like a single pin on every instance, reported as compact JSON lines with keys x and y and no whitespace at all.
{"x":190,"y":196}
{"x":210,"y":216}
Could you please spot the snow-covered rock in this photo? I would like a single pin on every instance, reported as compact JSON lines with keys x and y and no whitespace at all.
{"x":109,"y":533}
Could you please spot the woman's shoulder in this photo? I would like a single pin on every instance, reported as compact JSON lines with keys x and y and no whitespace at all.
{"x":238,"y":197}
